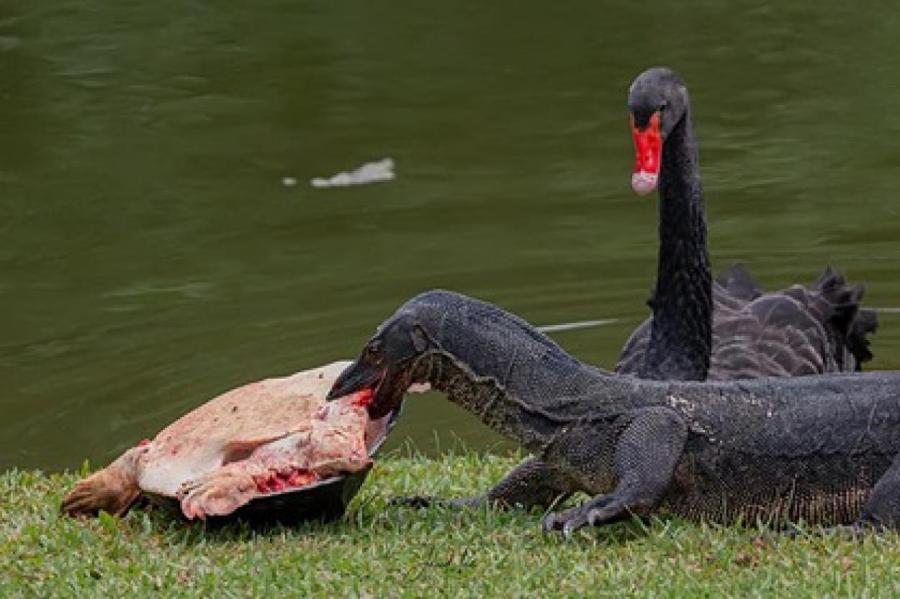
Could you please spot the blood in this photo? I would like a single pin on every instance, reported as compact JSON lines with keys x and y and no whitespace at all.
{"x":299,"y":478}
{"x":144,"y":442}
{"x":273,"y":482}
{"x":363,"y":398}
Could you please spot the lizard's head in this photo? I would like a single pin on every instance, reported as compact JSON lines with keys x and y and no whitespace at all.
{"x":385,"y":366}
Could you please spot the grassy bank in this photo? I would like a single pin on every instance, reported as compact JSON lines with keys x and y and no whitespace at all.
{"x":379,"y":550}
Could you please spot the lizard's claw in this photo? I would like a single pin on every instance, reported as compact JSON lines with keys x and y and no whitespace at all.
{"x":593,"y":512}
{"x":567,"y":521}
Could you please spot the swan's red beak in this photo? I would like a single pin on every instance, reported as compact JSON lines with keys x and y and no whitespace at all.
{"x":648,"y":154}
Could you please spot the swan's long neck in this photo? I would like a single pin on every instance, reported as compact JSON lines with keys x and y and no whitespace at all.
{"x":681,"y":333}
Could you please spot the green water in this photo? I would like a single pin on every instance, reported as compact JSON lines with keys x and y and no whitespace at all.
{"x":151,"y":256}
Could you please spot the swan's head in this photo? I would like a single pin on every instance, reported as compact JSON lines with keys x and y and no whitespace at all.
{"x":657,"y":101}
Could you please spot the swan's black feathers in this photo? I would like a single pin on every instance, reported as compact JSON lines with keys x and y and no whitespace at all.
{"x":792,"y":332}
{"x":866,"y":322}
{"x":739,"y":283}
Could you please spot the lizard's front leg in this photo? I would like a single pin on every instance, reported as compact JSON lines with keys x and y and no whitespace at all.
{"x":533,"y":483}
{"x":646,"y":453}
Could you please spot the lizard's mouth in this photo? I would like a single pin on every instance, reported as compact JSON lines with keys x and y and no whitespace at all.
{"x":387,"y":396}
{"x":376,"y":388}
{"x":355,"y":378}
{"x":384,"y":386}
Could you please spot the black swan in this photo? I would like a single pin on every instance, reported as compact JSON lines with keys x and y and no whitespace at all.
{"x":728,"y":328}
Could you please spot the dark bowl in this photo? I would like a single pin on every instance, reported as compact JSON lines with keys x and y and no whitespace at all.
{"x":324,"y":500}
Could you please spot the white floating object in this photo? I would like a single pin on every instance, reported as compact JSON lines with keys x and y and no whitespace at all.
{"x":289,"y":181}
{"x":370,"y":172}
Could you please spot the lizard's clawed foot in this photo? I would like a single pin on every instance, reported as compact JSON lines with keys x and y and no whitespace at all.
{"x":592,"y":512}
{"x":567,"y":521}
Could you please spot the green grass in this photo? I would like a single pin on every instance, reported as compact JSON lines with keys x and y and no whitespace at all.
{"x":378,"y":550}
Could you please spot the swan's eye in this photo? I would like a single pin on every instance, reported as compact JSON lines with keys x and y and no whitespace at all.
{"x":663,"y":105}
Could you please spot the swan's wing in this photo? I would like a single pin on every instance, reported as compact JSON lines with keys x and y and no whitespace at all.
{"x":774,"y":335}
{"x":792,"y":332}
{"x":865,"y":323}
{"x":849,"y":323}
{"x":732,"y":290}
{"x":635,"y":347}
{"x":737,"y":286}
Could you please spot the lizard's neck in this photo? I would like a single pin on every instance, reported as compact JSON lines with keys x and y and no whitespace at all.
{"x":514,"y":378}
{"x":535,"y":414}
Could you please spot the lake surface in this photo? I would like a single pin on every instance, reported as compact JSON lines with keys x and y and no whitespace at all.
{"x":151,"y":255}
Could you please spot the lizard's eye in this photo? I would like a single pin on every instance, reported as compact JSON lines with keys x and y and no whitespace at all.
{"x":373,"y":349}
